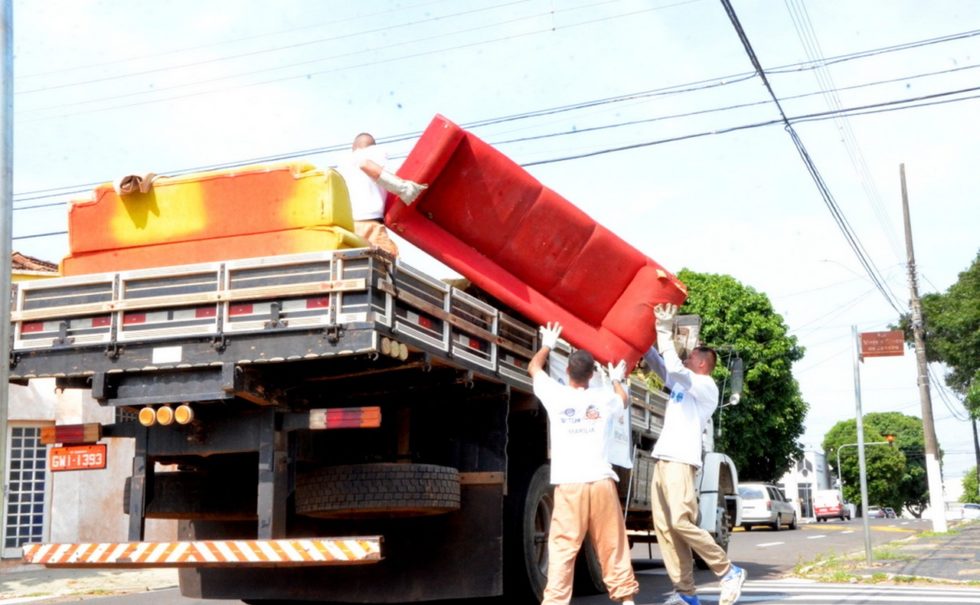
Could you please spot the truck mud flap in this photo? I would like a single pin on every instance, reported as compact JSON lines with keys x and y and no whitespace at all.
{"x":295,"y":552}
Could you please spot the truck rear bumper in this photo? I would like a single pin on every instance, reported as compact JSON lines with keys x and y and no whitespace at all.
{"x":294,"y":552}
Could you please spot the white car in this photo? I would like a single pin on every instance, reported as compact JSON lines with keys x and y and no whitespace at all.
{"x":765,"y":504}
{"x":971,"y":511}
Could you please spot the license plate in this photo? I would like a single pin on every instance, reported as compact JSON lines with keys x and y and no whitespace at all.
{"x":78,"y":457}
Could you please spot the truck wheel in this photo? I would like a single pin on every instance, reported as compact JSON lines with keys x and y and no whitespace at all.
{"x":792,"y":522}
{"x":778,"y":523}
{"x":194,"y":495}
{"x":723,"y":536}
{"x":529,"y":505}
{"x":378,"y":490}
{"x":527,"y":568}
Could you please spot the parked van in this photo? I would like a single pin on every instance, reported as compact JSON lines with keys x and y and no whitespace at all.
{"x":829,"y":504}
{"x":765,"y":504}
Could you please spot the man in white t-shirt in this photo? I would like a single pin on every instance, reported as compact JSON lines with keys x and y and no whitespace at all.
{"x":586,"y":498}
{"x":693,"y":399}
{"x":367,"y":181}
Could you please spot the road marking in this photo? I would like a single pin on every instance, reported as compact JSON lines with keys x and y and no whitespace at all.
{"x":765,"y":544}
{"x":807,"y":592}
{"x":849,"y":531}
{"x":817,"y":537}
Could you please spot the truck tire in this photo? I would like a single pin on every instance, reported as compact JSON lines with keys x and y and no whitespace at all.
{"x":528,"y":574}
{"x":378,"y":490}
{"x":531,"y":504}
{"x":722,"y":536}
{"x":194,"y":495}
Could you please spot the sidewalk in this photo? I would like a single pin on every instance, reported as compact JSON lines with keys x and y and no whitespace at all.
{"x":953,"y":557}
{"x":20,"y":583}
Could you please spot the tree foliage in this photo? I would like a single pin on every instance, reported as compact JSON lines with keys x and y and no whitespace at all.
{"x":952,"y":332}
{"x":896,"y":474}
{"x":760,"y":433}
{"x":970,"y":493}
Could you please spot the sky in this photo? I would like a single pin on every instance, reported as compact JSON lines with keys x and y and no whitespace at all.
{"x":646,"y":114}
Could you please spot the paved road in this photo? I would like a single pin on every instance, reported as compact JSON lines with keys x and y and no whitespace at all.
{"x":766,"y":554}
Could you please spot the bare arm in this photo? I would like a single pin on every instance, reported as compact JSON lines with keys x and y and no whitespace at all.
{"x":618,"y":387}
{"x":372,"y":169}
{"x":536,"y":365}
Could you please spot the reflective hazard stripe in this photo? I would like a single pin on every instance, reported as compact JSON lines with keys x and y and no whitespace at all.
{"x":301,"y":551}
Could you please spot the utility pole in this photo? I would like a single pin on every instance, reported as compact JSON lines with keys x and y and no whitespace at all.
{"x":6,"y":215}
{"x":933,"y":472}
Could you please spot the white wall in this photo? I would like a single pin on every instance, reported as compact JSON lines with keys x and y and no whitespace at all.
{"x":83,"y":506}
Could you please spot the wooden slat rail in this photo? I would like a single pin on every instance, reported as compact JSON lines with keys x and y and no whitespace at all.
{"x":185,"y":300}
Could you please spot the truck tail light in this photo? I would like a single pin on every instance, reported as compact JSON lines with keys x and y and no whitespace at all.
{"x":165,"y":415}
{"x":147,"y":416}
{"x":71,"y":433}
{"x":346,"y":418}
{"x":768,"y":504}
{"x":184,"y":414}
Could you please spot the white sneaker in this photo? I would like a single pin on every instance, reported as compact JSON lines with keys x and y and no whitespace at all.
{"x":677,"y":598}
{"x":731,"y":585}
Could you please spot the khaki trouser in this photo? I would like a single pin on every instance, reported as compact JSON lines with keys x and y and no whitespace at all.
{"x":376,"y":233}
{"x":675,"y":516}
{"x":593,"y":509}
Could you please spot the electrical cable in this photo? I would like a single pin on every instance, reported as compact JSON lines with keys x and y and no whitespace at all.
{"x":847,"y":231}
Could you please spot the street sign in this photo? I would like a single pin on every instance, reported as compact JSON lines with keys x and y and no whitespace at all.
{"x":883,"y":344}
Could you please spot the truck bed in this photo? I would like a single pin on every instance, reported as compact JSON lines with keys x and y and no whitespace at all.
{"x":198,"y":331}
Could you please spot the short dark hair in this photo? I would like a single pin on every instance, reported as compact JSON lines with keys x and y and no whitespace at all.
{"x":581,"y":365}
{"x":363,"y":139}
{"x":711,"y":354}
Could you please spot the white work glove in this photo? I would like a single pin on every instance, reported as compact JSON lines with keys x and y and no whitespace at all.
{"x":617,"y":373}
{"x":664,"y":314}
{"x":406,"y":190}
{"x":550,"y":334}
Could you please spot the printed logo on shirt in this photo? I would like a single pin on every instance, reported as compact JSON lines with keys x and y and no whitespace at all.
{"x":677,"y":395}
{"x":592,"y":413}
{"x":569,"y":412}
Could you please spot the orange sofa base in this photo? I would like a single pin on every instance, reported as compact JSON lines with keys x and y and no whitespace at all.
{"x":288,"y":241}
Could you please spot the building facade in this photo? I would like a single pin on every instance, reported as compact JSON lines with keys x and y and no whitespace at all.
{"x":807,"y":475}
{"x":71,"y":506}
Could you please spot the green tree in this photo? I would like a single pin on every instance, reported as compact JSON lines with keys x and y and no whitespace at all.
{"x":952,"y":335}
{"x":952,"y":332}
{"x":896,"y":474}
{"x":761,"y":433}
{"x":970,"y":493}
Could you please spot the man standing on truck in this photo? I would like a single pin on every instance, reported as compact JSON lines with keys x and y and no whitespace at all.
{"x":367,"y":180}
{"x":586,"y":497}
{"x":693,"y":399}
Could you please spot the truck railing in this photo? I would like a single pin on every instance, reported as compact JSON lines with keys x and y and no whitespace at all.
{"x":323,"y":291}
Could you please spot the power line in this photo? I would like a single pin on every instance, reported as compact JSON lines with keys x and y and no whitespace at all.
{"x":786,"y":68}
{"x":888,"y":106}
{"x":825,"y":80}
{"x":399,"y":57}
{"x":669,"y":90}
{"x":333,"y":23}
{"x":293,"y":46}
{"x":849,"y":235}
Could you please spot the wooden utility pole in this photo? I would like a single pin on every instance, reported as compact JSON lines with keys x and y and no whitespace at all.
{"x":933,"y":472}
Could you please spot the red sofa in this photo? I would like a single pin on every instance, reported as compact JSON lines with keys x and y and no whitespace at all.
{"x":488,"y":219}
